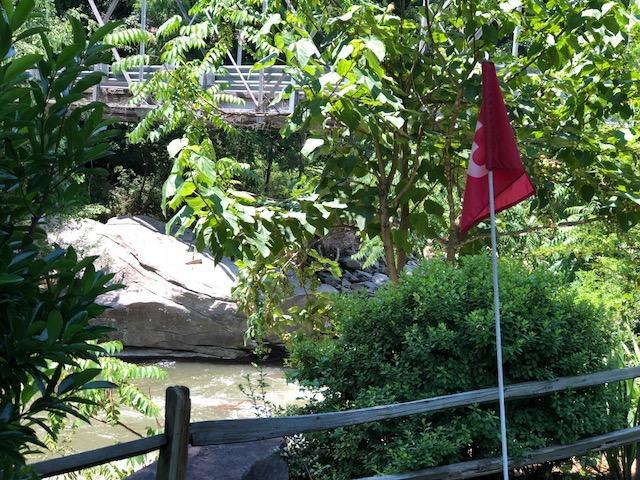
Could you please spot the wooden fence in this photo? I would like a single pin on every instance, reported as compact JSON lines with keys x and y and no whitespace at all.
{"x":180,"y":433}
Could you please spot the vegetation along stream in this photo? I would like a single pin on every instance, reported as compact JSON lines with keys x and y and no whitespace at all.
{"x":215,"y":394}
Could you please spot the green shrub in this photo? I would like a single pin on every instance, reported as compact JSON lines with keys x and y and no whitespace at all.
{"x":47,"y":295}
{"x":433,"y":334}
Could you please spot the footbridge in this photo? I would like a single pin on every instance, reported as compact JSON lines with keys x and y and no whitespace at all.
{"x":259,"y":92}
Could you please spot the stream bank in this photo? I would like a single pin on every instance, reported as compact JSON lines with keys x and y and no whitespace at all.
{"x":215,"y":395}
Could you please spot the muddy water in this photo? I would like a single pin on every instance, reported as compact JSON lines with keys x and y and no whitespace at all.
{"x":214,"y":395}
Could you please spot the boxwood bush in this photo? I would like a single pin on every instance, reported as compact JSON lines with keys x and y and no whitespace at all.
{"x":433,"y":334}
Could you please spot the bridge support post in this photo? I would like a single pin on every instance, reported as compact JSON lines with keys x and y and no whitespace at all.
{"x":172,"y":462}
{"x":95,"y":93}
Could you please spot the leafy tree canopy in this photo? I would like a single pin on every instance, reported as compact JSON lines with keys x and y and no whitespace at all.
{"x":389,"y":96}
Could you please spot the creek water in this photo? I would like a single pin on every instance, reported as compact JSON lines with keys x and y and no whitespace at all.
{"x":214,"y":391}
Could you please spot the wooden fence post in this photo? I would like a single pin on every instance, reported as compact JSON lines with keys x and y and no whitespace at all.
{"x":172,"y":462}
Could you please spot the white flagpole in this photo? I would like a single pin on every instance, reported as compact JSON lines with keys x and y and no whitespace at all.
{"x":496,"y":309}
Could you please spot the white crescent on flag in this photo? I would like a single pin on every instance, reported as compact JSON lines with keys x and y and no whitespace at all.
{"x":476,"y":170}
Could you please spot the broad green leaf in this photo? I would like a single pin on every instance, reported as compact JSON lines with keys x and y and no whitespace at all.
{"x":20,"y":65}
{"x":77,"y":380}
{"x":311,"y":145}
{"x":176,"y":146}
{"x":10,"y":278}
{"x":54,"y":326}
{"x":376,"y":46}
{"x":79,"y":34}
{"x":305,"y":49}
{"x":433,"y":207}
{"x":21,"y":12}
{"x":274,"y":19}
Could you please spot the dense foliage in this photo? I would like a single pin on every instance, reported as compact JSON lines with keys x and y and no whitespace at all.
{"x":47,"y":295}
{"x":389,"y":103}
{"x":109,"y":408}
{"x":432,"y":334}
{"x":136,"y":172}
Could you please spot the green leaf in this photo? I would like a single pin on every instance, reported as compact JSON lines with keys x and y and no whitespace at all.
{"x":79,"y":34}
{"x":169,"y":27}
{"x":130,"y":62}
{"x":245,"y":197}
{"x":376,"y":46}
{"x":20,"y":65}
{"x":29,"y":32}
{"x":103,"y":31}
{"x":6,"y":43}
{"x":67,"y":54}
{"x":490,"y":34}
{"x":77,"y":380}
{"x":419,"y":222}
{"x":88,"y":81}
{"x":265,"y":62}
{"x":274,"y":19}
{"x":10,"y":278}
{"x":304,"y":49}
{"x":20,"y":14}
{"x":54,"y":326}
{"x":98,"y":384}
{"x":311,"y":145}
{"x":433,"y":207}
{"x":176,"y":146}
{"x":349,"y":14}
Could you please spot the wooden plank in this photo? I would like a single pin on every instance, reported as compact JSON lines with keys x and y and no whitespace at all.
{"x":172,"y":462}
{"x":478,"y":468}
{"x":71,"y":463}
{"x":233,"y":431}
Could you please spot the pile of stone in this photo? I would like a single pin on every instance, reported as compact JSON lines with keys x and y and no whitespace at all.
{"x":357,"y":278}
{"x":341,"y":244}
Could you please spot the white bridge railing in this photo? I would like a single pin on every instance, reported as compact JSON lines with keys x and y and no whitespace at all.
{"x":258,"y":89}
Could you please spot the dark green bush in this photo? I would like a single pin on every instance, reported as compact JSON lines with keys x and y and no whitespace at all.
{"x":433,"y":334}
{"x":47,"y":295}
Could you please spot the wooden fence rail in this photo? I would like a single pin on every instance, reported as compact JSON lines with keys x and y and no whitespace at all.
{"x":180,"y":433}
{"x":233,"y":431}
{"x":478,"y":468}
{"x":92,"y":458}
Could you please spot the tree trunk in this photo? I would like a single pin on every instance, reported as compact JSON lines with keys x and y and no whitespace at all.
{"x":387,"y":240}
{"x":267,"y":175}
{"x":401,"y":254}
{"x":452,"y":241}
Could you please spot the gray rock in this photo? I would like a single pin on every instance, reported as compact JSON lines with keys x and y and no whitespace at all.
{"x":349,"y":263}
{"x":240,"y":461}
{"x":329,"y":279}
{"x":371,"y":286}
{"x":351,"y":277}
{"x":358,"y":286}
{"x":324,"y":288}
{"x":410,"y":267}
{"x":379,"y":278}
{"x":175,"y":298}
{"x":362,"y":276}
{"x":345,"y":283}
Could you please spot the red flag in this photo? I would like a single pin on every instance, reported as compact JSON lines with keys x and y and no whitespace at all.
{"x":494,"y":148}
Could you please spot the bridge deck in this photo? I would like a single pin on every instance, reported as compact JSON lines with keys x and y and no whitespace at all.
{"x":258,"y":90}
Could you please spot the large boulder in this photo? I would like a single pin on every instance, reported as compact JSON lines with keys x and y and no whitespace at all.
{"x":175,"y":298}
{"x":260,"y":460}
